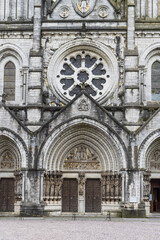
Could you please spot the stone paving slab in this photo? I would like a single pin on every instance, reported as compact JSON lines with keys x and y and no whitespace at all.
{"x":53,"y":229}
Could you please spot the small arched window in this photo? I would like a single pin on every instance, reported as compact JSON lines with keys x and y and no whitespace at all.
{"x":155,"y":84}
{"x":9,"y":81}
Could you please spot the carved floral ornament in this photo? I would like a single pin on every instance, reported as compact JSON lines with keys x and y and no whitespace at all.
{"x":81,"y":158}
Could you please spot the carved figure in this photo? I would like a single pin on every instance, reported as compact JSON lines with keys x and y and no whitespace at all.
{"x":58,"y":187}
{"x":116,"y":185}
{"x":81,"y":157}
{"x":103,"y":185}
{"x":83,"y":6}
{"x":52,"y":188}
{"x":81,"y":185}
{"x":83,"y":105}
{"x":7,"y":160}
{"x":18,"y":183}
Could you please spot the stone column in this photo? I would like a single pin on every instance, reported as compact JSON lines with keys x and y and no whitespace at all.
{"x":141,"y":186}
{"x":24,"y":74}
{"x":41,"y":186}
{"x":23,"y":186}
{"x":81,"y":191}
{"x":123,"y":187}
{"x":141,"y":79}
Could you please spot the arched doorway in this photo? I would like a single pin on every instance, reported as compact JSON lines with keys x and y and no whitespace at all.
{"x":153,"y":164}
{"x":82,"y":170}
{"x":10,"y":175}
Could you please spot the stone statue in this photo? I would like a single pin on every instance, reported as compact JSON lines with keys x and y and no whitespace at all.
{"x":58,"y":187}
{"x":83,"y":6}
{"x":103,"y":185}
{"x":81,"y":185}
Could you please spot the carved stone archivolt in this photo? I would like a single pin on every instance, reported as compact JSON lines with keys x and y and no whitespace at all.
{"x":155,"y":160}
{"x":18,"y":185}
{"x":52,"y":186}
{"x":111,"y":184}
{"x":146,"y":186}
{"x":82,"y":158}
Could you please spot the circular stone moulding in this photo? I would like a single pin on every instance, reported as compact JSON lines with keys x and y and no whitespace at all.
{"x":83,"y":64}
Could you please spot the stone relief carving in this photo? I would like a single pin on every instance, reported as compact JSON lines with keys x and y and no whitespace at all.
{"x":82,"y":157}
{"x":132,"y":189}
{"x":146,"y":186}
{"x":83,"y":105}
{"x":48,"y":52}
{"x":52,"y":186}
{"x":64,"y":12}
{"x":84,"y":7}
{"x":18,"y":185}
{"x":103,"y":11}
{"x":111,"y":185}
{"x":81,"y":184}
{"x":7,"y":161}
{"x":155,"y":161}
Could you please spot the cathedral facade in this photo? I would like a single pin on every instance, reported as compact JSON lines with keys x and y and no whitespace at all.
{"x":79,"y":107}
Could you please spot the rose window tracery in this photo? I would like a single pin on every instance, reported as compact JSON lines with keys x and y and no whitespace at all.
{"x":83,"y":64}
{"x":83,"y":69}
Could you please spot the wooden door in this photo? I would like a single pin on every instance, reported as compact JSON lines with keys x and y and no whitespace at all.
{"x":155,"y":191}
{"x":93,"y":195}
{"x":70,"y":195}
{"x":7,"y":195}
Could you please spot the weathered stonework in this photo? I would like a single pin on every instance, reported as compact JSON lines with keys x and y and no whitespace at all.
{"x":83,"y":107}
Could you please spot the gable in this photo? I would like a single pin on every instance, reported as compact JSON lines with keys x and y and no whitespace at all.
{"x":82,"y":9}
{"x":85,"y":110}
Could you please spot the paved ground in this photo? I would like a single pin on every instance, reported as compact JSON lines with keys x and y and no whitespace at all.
{"x":55,"y":229}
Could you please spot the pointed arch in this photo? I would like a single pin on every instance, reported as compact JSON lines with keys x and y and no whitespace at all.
{"x":12,"y":143}
{"x":107,"y":146}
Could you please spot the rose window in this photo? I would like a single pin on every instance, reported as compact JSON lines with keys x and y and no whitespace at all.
{"x":83,"y":70}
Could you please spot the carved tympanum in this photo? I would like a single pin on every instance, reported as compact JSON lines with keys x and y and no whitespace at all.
{"x":82,"y":157}
{"x":7,"y":160}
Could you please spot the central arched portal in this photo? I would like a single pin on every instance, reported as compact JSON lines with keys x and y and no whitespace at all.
{"x":83,"y":170}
